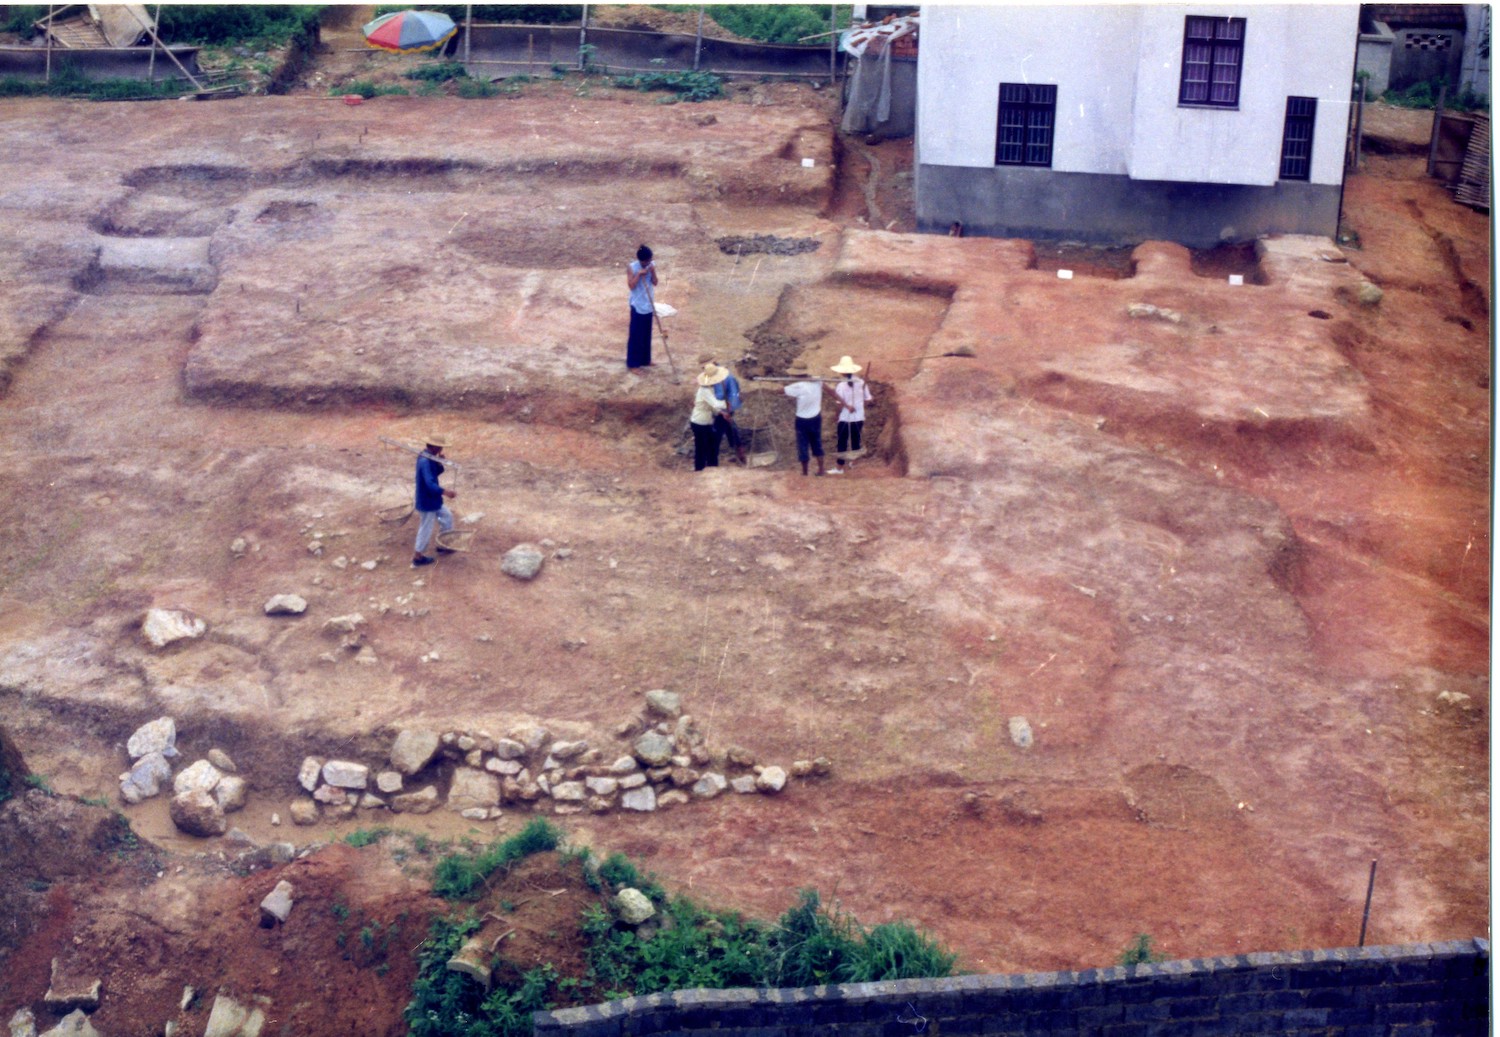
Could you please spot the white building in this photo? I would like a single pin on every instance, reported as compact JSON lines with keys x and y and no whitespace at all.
{"x":1198,"y":123}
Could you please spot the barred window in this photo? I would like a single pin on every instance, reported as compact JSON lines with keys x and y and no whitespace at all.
{"x":1296,"y":138}
{"x":1027,"y":115}
{"x":1212,"y":51}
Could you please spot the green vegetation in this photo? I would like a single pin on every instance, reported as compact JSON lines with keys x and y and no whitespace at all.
{"x":439,"y":72}
{"x":1425,"y":95}
{"x":515,"y":14}
{"x":462,"y":876}
{"x":41,"y":783}
{"x":686,"y":946}
{"x":779,"y":23}
{"x":69,"y":82}
{"x":263,"y":25}
{"x":693,"y":86}
{"x":1140,"y":952}
{"x":362,"y":837}
{"x":18,"y":18}
{"x":366,"y":89}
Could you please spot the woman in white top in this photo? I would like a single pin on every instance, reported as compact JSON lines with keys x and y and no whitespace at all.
{"x":640,"y":276}
{"x":705,"y":406}
{"x":852,"y":394}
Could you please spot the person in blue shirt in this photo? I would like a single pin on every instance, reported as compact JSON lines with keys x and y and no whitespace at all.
{"x":429,"y":502}
{"x":724,"y":424}
{"x":641,"y":278}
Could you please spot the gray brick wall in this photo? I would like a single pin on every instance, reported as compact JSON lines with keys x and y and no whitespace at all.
{"x":1412,"y":990}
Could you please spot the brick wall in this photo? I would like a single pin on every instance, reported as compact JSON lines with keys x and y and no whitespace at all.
{"x":1413,"y":990}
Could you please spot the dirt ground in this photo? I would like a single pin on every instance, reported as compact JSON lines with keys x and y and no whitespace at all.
{"x":1232,"y":567}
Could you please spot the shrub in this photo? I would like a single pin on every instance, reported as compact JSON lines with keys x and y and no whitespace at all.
{"x":477,"y":88}
{"x":693,"y":86}
{"x":268,"y":24}
{"x":362,"y":837}
{"x":778,"y":23}
{"x":439,"y":72}
{"x":461,"y":876}
{"x":523,"y":14}
{"x":897,"y":951}
{"x":18,"y":19}
{"x":1140,"y":952}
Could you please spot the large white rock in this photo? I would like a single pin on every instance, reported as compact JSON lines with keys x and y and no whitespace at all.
{"x":229,"y":1018}
{"x":664,"y":703}
{"x":277,"y":904}
{"x":642,"y":799}
{"x":144,"y":779}
{"x":388,"y":781}
{"x":600,"y":786}
{"x":633,"y":906}
{"x":653,"y":748}
{"x":346,"y":774}
{"x":200,"y":775}
{"x":413,"y":749}
{"x":710,"y":785}
{"x":1020,"y":732}
{"x":74,"y":1024}
{"x":230,"y":793}
{"x":523,"y":562}
{"x":285,"y":605}
{"x":159,"y":736}
{"x":162,"y":627}
{"x":197,"y":813}
{"x":310,"y":773}
{"x":770,"y":780}
{"x":422,"y":801}
{"x":569,"y":792}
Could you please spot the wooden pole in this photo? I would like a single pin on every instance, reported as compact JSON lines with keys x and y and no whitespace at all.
{"x":468,"y":29}
{"x":698,"y":47}
{"x":50,"y":15}
{"x":833,"y":43}
{"x":155,"y":39}
{"x":152,"y":66}
{"x":1369,"y":892}
{"x":1437,"y":124}
{"x":583,"y":33}
{"x":1359,"y":124}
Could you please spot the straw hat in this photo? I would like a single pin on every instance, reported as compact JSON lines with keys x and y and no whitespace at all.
{"x":846,"y":365}
{"x":704,"y":358}
{"x":712,"y":374}
{"x":437,"y":439}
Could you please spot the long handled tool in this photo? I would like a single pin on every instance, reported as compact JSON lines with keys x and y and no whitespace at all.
{"x":960,"y":351}
{"x":651,"y":298}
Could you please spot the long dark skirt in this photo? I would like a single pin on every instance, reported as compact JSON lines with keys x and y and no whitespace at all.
{"x":705,"y":446}
{"x":638,"y":348}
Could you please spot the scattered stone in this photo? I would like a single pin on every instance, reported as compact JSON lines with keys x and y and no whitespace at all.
{"x":220,"y":759}
{"x":370,"y":801}
{"x":508,"y":768}
{"x":23,"y":1023}
{"x":231,"y":792}
{"x":710,"y":785}
{"x":1369,"y":294}
{"x":65,"y":991}
{"x":239,"y":837}
{"x":340,"y":626}
{"x":229,"y":1018}
{"x":340,"y":811}
{"x":509,"y":749}
{"x":413,"y":750}
{"x":672,"y":798}
{"x":238,"y":547}
{"x":602,"y":786}
{"x":569,"y":750}
{"x":346,"y":775}
{"x":745,"y":783}
{"x":533,"y":736}
{"x":801,"y":768}
{"x":1454,"y":698}
{"x":663,"y":703}
{"x":740,"y":756}
{"x":188,"y":993}
{"x":770,"y":780}
{"x":569,"y":792}
{"x":388,"y":781}
{"x":683,"y":777}
{"x":822,"y":766}
{"x":641,"y":799}
{"x":310,"y":772}
{"x":633,"y":781}
{"x":624,"y":765}
{"x":197,"y":813}
{"x":159,"y":736}
{"x":653,"y":749}
{"x":286,"y":605}
{"x":1020,"y":732}
{"x":277,"y":905}
{"x":304,"y":812}
{"x":523,"y":562}
{"x":472,"y":788}
{"x":331,"y":795}
{"x":687,"y":732}
{"x":144,"y":779}
{"x":475,"y":814}
{"x":366,"y":656}
{"x":163,"y":627}
{"x":633,"y":906}
{"x":423,"y":801}
{"x":74,"y":1024}
{"x":201,"y":775}
{"x":599,"y":804}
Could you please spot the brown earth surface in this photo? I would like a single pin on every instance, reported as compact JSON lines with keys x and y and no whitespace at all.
{"x":1224,"y":559}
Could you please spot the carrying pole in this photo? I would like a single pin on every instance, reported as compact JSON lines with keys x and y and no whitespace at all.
{"x":1369,"y":892}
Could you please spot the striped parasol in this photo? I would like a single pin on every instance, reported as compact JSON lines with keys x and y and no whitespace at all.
{"x":407,"y":32}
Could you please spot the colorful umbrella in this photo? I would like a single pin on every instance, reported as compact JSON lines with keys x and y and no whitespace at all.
{"x":406,"y":32}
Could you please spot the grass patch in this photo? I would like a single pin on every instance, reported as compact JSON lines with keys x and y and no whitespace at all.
{"x":1140,"y":952}
{"x":690,"y":86}
{"x":69,"y":82}
{"x":439,"y":72}
{"x":462,"y":876}
{"x":362,"y":837}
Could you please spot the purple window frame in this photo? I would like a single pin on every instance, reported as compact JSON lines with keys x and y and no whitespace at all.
{"x":1297,"y":137}
{"x":1025,"y":125}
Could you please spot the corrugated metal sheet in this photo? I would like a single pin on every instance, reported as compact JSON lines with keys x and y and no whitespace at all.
{"x":1474,"y":180}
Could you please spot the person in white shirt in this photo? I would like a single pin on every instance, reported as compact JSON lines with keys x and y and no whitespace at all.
{"x":852,"y":395}
{"x":809,"y":397}
{"x":706,"y":406}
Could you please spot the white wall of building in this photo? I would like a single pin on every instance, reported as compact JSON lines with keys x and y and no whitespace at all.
{"x":1117,"y":70}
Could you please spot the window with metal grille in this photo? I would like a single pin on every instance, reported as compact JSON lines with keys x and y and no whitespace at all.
{"x":1212,"y":50}
{"x":1024,"y":134}
{"x":1296,"y":138}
